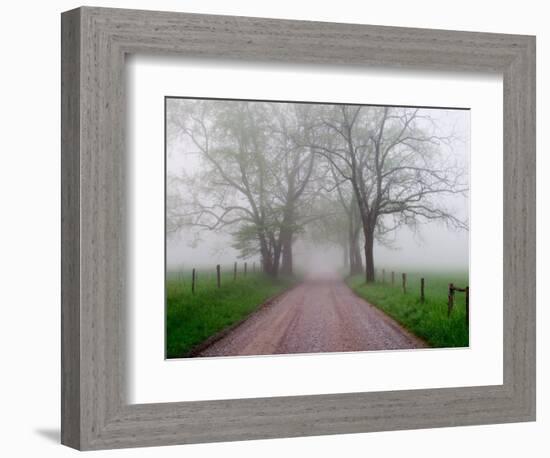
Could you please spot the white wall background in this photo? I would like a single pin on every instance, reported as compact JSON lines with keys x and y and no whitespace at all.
{"x":29,"y":233}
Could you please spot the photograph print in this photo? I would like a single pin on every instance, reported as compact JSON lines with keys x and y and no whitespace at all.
{"x":298,"y":227}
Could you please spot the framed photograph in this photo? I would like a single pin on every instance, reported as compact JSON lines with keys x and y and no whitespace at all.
{"x":277,"y":228}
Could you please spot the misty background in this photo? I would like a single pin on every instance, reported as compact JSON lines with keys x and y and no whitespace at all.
{"x":433,"y":247}
{"x":429,"y":245}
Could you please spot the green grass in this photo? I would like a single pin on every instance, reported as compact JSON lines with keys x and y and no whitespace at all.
{"x":192,"y":318}
{"x":427,"y":320}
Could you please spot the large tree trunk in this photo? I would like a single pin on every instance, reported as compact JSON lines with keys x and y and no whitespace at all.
{"x":276,"y":259}
{"x":369,"y":255}
{"x":267,"y":256}
{"x":354,"y":229}
{"x":287,"y":261}
{"x":286,"y":236}
{"x":356,"y":263}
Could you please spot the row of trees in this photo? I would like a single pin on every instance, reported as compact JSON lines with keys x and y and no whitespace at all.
{"x":270,"y":172}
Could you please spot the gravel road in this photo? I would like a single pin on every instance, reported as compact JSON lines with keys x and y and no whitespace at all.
{"x":318,"y":315}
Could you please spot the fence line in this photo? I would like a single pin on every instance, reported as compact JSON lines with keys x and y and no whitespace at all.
{"x":451,"y":294}
{"x":180,"y":276}
{"x":451,"y":290}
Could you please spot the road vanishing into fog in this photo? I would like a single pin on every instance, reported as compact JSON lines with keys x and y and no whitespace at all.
{"x":318,"y":315}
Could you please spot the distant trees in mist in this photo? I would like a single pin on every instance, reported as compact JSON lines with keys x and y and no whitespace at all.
{"x":344,"y":174}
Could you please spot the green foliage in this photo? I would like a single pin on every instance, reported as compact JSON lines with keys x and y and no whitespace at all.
{"x":245,"y":241}
{"x":192,"y":318}
{"x":427,"y":319}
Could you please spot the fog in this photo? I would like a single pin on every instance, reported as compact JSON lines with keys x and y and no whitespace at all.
{"x":427,"y":244}
{"x":434,"y":247}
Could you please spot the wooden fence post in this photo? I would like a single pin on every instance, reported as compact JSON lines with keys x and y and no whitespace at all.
{"x":467,"y":305}
{"x":422,"y":290}
{"x":383,"y":275}
{"x":451,"y":299}
{"x":404,"y":283}
{"x":245,"y":269}
{"x":218,"y":279}
{"x":193,"y":278}
{"x":392,"y":278}
{"x":235,"y":271}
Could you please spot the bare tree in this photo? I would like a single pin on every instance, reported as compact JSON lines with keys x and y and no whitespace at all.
{"x":231,"y":191}
{"x":293,"y":173}
{"x":391,"y":159}
{"x":348,"y":202}
{"x":340,"y":194}
{"x":254,"y":175}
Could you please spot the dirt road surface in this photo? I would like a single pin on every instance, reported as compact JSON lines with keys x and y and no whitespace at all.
{"x":318,"y":315}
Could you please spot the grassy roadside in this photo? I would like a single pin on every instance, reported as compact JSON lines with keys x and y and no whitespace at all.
{"x":428,"y":319}
{"x":192,"y":318}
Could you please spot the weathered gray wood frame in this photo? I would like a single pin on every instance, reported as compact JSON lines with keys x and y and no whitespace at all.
{"x":95,"y":414}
